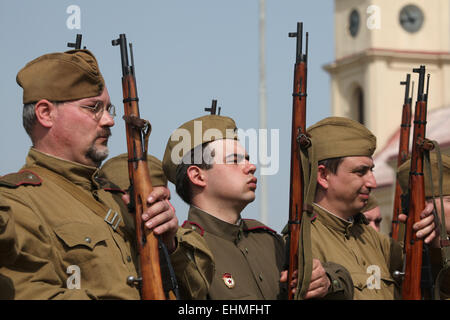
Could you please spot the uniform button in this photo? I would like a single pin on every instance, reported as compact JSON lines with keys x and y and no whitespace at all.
{"x":246,"y":250}
{"x":87,"y":240}
{"x":336,"y":284}
{"x":129,"y":259}
{"x":260,"y":277}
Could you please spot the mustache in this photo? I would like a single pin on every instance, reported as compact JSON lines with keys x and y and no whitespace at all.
{"x":105,"y":133}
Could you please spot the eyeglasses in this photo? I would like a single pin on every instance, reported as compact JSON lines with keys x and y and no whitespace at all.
{"x":99,"y":107}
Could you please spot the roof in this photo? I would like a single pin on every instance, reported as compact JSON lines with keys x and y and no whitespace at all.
{"x":438,"y":124}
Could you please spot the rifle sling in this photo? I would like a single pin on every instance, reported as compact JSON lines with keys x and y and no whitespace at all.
{"x":85,"y":199}
{"x":445,"y":243}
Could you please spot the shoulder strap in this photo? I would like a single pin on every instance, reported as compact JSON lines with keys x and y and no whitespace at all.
{"x":193,"y":226}
{"x":17,"y":179}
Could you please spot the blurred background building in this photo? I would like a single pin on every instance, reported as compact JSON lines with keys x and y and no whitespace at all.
{"x":377,"y":42}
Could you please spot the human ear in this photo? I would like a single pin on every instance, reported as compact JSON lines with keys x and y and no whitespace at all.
{"x":322,"y":176}
{"x":196,"y":176}
{"x":44,"y":111}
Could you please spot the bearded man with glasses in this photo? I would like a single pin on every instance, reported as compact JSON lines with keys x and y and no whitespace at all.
{"x":75,"y":238}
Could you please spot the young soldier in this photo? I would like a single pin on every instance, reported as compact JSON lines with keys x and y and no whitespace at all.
{"x":73,"y":229}
{"x":341,"y":160}
{"x":213,"y":174}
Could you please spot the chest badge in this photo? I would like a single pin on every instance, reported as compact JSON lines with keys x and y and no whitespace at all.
{"x":228,"y":280}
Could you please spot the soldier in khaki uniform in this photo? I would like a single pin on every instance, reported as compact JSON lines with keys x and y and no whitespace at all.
{"x":341,"y":160}
{"x":214,"y":176}
{"x":75,"y":238}
{"x":442,"y":206}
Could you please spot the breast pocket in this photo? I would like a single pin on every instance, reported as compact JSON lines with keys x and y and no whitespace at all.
{"x":81,"y":241}
{"x":373,"y":285}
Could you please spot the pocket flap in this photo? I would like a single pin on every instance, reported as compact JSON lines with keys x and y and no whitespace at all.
{"x":80,"y":233}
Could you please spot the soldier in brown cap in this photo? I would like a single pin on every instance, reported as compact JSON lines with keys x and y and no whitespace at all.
{"x":341,"y":180}
{"x":372,"y":213}
{"x":433,"y":194}
{"x":213,"y":174}
{"x":75,"y":237}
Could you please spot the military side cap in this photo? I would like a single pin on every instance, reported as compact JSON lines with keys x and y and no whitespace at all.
{"x":116,"y":171}
{"x":403,"y":176}
{"x":336,"y":137}
{"x":61,"y":76}
{"x":371,"y":203}
{"x":192,"y":134}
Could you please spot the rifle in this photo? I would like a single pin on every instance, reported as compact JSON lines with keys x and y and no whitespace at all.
{"x":138,"y":131}
{"x":403,"y":152}
{"x":298,"y":140}
{"x":77,"y":44}
{"x":413,"y":246}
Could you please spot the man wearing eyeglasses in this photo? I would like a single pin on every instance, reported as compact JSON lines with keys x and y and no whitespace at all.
{"x":75,"y":237}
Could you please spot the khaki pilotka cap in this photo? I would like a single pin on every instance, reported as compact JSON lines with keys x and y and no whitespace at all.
{"x":371,"y":203}
{"x":116,"y":171}
{"x":403,"y":176}
{"x":332,"y":137}
{"x":213,"y":127}
{"x":61,"y":76}
{"x":336,"y":137}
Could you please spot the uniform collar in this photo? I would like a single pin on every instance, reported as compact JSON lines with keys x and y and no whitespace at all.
{"x":331,"y":220}
{"x":84,"y":176}
{"x":215,"y":226}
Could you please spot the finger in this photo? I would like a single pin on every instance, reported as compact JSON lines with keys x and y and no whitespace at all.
{"x":283,"y":276}
{"x":170,"y":226}
{"x":158,"y":214}
{"x":426,"y":231}
{"x":402,"y":217}
{"x":126,"y":198}
{"x":158,"y":194}
{"x":427,"y":211}
{"x":423,"y":223}
{"x":431,"y":237}
{"x":318,"y":270}
{"x":316,"y":293}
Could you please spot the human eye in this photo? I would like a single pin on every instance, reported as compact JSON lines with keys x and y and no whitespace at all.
{"x":97,"y":107}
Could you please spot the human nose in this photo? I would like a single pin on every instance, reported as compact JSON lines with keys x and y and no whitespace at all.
{"x":107,"y":119}
{"x":249,"y":167}
{"x":371,"y":181}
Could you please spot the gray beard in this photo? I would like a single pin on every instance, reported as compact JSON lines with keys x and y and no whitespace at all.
{"x":96,"y":155}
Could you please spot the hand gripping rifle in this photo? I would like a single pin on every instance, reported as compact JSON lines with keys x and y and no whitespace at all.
{"x":403,"y":153}
{"x":411,"y":289}
{"x":138,"y":131}
{"x":298,"y":140}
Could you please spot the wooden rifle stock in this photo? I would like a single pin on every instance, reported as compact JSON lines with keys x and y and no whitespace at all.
{"x":298,"y":134}
{"x":403,"y":152}
{"x":147,"y":242}
{"x":411,"y":289}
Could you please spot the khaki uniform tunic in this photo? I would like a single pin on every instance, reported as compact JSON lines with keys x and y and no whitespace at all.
{"x":368,"y":255}
{"x":8,"y":240}
{"x":248,"y":257}
{"x":61,"y":236}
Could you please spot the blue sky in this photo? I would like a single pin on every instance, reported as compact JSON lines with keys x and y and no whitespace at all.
{"x":186,"y":54}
